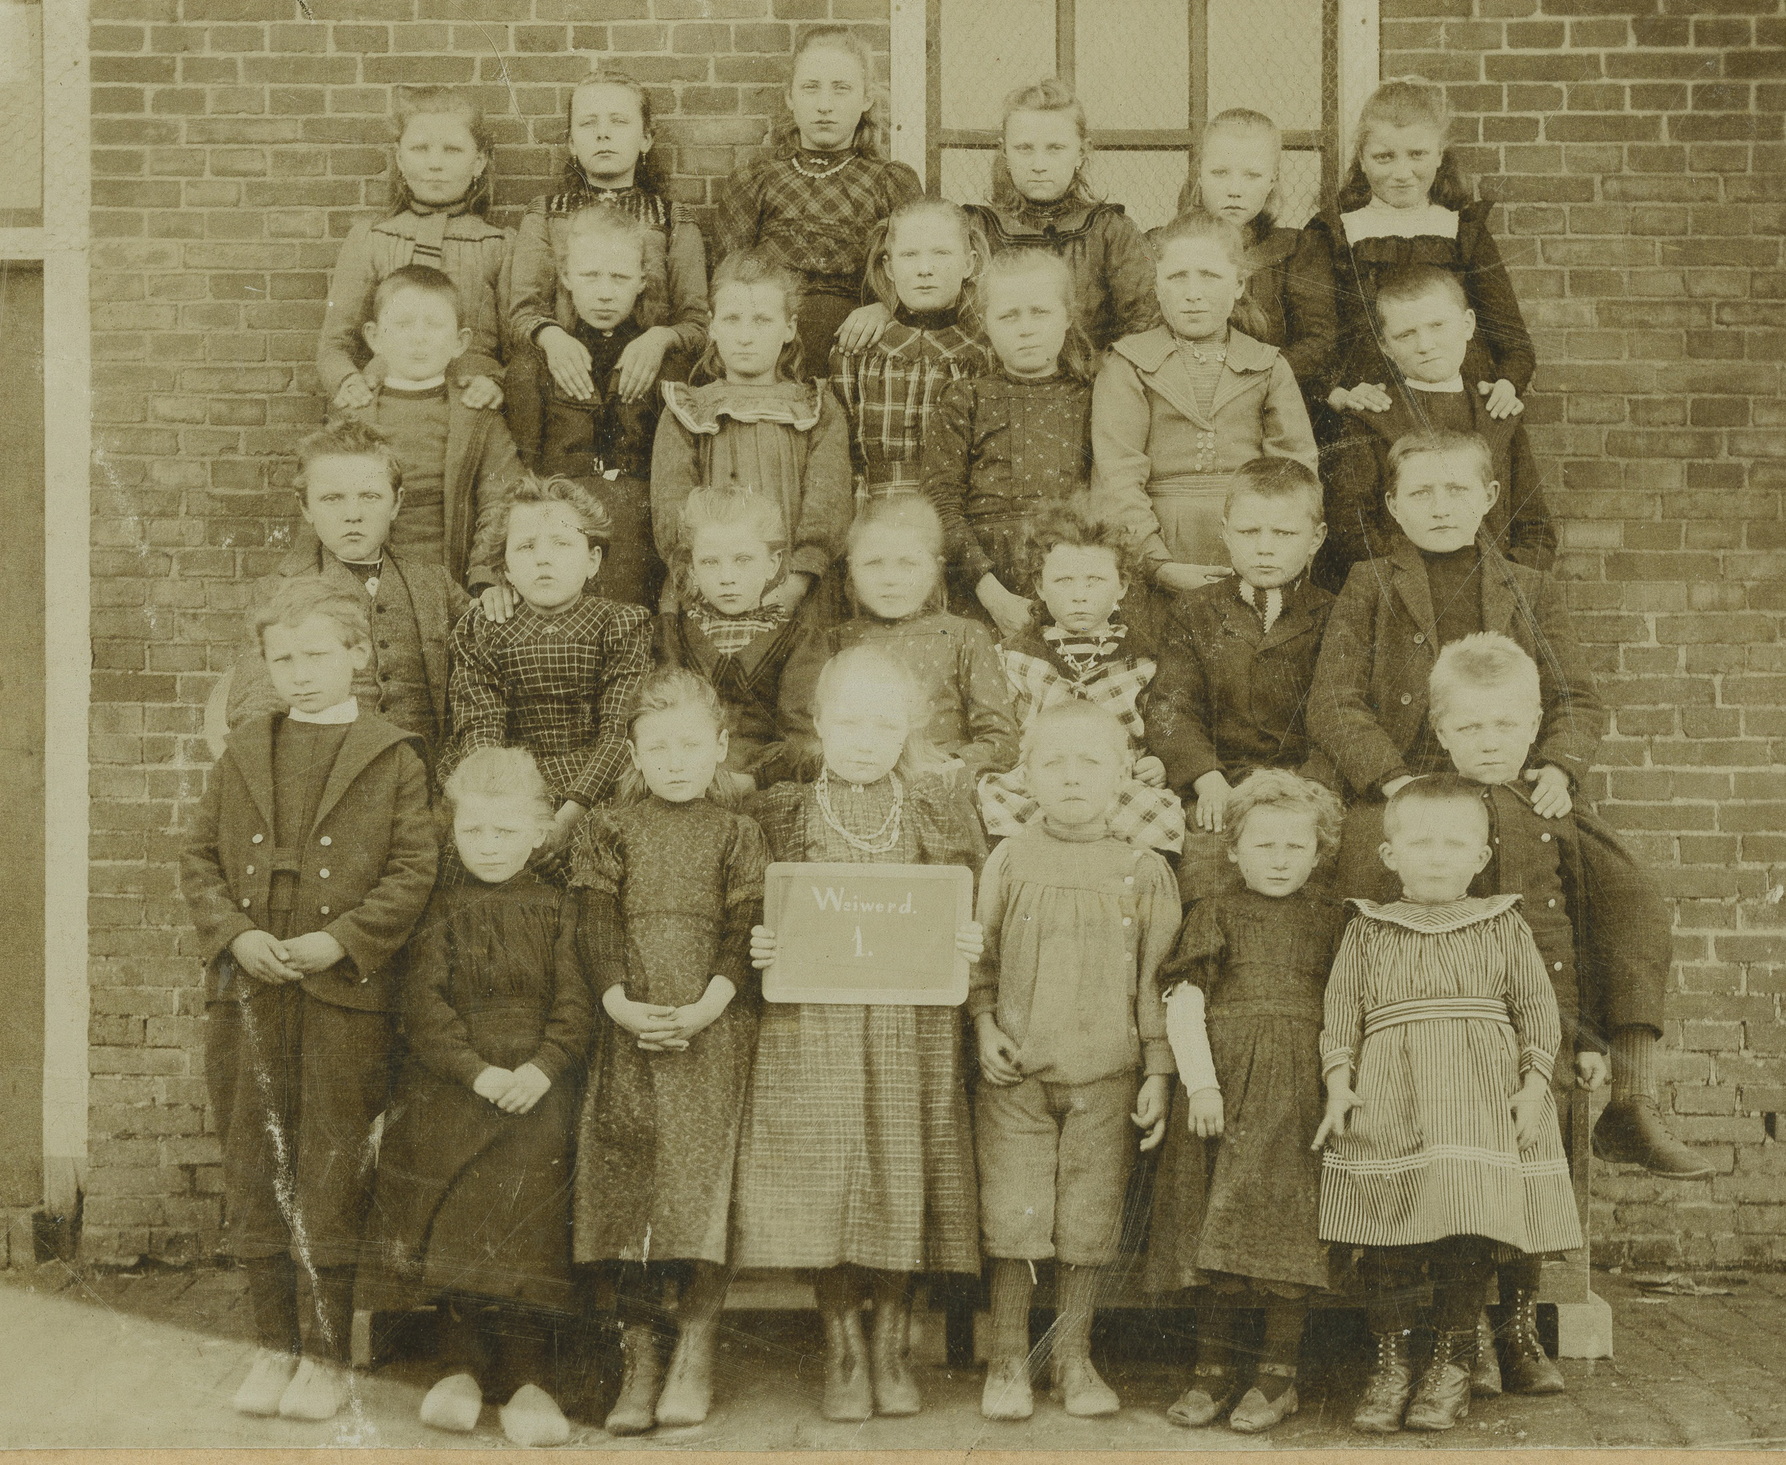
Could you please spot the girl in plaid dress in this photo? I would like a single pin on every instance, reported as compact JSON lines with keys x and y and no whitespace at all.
{"x":1003,"y":445}
{"x":857,"y":1158}
{"x":558,"y":675}
{"x":919,"y":264}
{"x":811,"y":206}
{"x":1080,"y":651}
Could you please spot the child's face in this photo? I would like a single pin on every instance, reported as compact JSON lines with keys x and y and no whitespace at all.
{"x":1488,"y":731}
{"x":1197,"y":284}
{"x":1236,"y":174}
{"x":607,"y":133}
{"x":1081,"y":585}
{"x":731,"y":572}
{"x":677,"y":752}
{"x":1026,"y":324}
{"x":1270,"y":540}
{"x":549,"y":560}
{"x":927,"y":260}
{"x":309,"y":666}
{"x":1440,"y":499}
{"x":1426,"y":337}
{"x":1276,"y":850}
{"x":1074,"y":773}
{"x":418,"y":334}
{"x":495,"y":833}
{"x":604,"y":277}
{"x":1437,"y":848}
{"x":750,"y":326}
{"x":1043,"y":150}
{"x":1400,"y":162}
{"x":350,"y":504}
{"x":862,"y":727}
{"x":893,"y":571}
{"x":827,"y":96}
{"x":439,"y":158}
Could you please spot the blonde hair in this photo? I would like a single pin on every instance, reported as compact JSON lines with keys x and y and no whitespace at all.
{"x":919,"y":755}
{"x":411,"y":102}
{"x":1199,"y":224}
{"x":347,"y":437}
{"x":1076,"y":354}
{"x":871,"y":131}
{"x":604,"y":221}
{"x":910,"y":513}
{"x":735,"y":509}
{"x":302,"y":596}
{"x":1077,"y":710}
{"x":647,"y":172}
{"x":750,"y":267}
{"x":1438,"y":440}
{"x":1431,"y":788}
{"x":498,"y":773}
{"x":880,"y":245}
{"x":531,"y":488}
{"x":1482,"y":661}
{"x":1050,"y":94}
{"x":1278,"y":788}
{"x":1240,"y":122}
{"x":1277,"y":478}
{"x":666,"y":690}
{"x":1407,"y":101}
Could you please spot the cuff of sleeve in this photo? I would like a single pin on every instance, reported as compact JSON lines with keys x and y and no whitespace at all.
{"x":1335,"y":1063}
{"x":1379,"y":785}
{"x":227,"y":932}
{"x":975,"y":565}
{"x":531,"y":327}
{"x":980,"y":1002}
{"x":1535,"y":1060}
{"x":1156,"y":1057}
{"x":550,"y":1060}
{"x":465,"y":1067}
{"x":809,"y":559}
{"x":480,"y":578}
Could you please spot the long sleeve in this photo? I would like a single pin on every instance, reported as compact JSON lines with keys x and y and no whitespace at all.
{"x":1356,"y":474}
{"x":376,"y":928}
{"x":738,"y":221}
{"x":1129,"y":277}
{"x":746,"y":862}
{"x":1531,"y":537}
{"x":1284,"y":424}
{"x":1340,"y":718}
{"x":675,"y":474}
{"x":499,"y":469}
{"x":948,"y":456}
{"x":1180,"y":721}
{"x":531,"y":276}
{"x":794,"y":704}
{"x":484,"y":357}
{"x":1574,"y":716}
{"x":1311,"y":317}
{"x":1531,"y":999}
{"x":827,"y":492}
{"x":206,"y":889}
{"x":1157,"y":912}
{"x":250,"y":690}
{"x":989,"y":911}
{"x":475,"y":694}
{"x":564,"y":1045}
{"x":1120,"y":420}
{"x":986,"y":696}
{"x":1498,"y":315}
{"x":432,"y":1027}
{"x":601,"y":939}
{"x":626,"y":657}
{"x":687,"y":261}
{"x":1342,"y":1025}
{"x":340,"y":349}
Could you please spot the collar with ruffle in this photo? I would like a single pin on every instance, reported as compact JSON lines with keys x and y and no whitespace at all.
{"x":701,"y":409}
{"x":1437,"y":920}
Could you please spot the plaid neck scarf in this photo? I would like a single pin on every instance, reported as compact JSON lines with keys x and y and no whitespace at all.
{"x":731,"y":634}
{"x":1085,"y":653}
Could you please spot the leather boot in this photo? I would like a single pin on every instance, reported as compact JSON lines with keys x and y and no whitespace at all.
{"x":688,"y":1383}
{"x":1388,"y":1389}
{"x":1443,"y":1396}
{"x":889,"y":1364}
{"x":848,"y":1397}
{"x":1631,"y":1132}
{"x":1527,"y":1368}
{"x":1485,"y":1377}
{"x":641,"y":1376}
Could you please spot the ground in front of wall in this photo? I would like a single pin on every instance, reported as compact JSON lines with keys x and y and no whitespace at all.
{"x":151,"y":1358}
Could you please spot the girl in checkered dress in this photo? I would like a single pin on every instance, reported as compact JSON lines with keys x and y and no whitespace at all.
{"x":857,"y":1157}
{"x":919,"y":265}
{"x":1080,"y":649}
{"x":1005,"y":444}
{"x":812,"y":204}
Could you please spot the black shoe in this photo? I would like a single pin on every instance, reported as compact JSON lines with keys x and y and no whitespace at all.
{"x":1387,"y":1391}
{"x":1443,"y":1397}
{"x":1526,"y":1367}
{"x":1485,"y":1377}
{"x":1631,"y":1132}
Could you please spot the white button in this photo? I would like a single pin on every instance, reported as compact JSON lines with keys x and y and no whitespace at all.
{"x":1127,"y":922}
{"x":1556,"y":966}
{"x":1551,"y":903}
{"x":326,"y":841}
{"x":249,"y":870}
{"x":257,"y":839}
{"x":1545,"y":838}
{"x":322,"y":874}
{"x":246,"y":902}
{"x":1128,"y":879}
{"x":1407,"y":697}
{"x":323,"y":909}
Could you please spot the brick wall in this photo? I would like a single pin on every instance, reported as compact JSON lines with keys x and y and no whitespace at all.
{"x":1637,"y":147}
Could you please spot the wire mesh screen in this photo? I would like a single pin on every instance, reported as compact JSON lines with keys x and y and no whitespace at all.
{"x":1132,"y":63}
{"x":988,"y":48}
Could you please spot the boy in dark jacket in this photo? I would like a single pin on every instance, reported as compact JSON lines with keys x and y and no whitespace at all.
{"x":312,"y":856}
{"x":1237,"y":661}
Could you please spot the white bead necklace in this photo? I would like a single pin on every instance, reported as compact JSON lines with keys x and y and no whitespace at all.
{"x":884,"y":838}
{"x":806,"y":172}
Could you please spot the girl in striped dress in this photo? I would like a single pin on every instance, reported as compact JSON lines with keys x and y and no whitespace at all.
{"x":1440,"y":1032}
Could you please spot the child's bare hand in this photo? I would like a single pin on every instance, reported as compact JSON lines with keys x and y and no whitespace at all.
{"x":1213,"y":792}
{"x":567,"y":359}
{"x":653,"y":1025}
{"x":1591,"y":1070}
{"x":685,"y":1022}
{"x":998,"y":1054}
{"x":1550,"y":791}
{"x":1341,"y":1101}
{"x":862,"y":327}
{"x":316,"y":951}
{"x":1151,"y":1106}
{"x":763,"y":947}
{"x":1528,"y":1111}
{"x":354,"y":393}
{"x":493,"y":1083}
{"x":481,"y":393}
{"x":264,"y":957}
{"x":1150,"y":771}
{"x":642,"y":361}
{"x":970,"y":940}
{"x":1503,"y":400}
{"x":1365,"y":397}
{"x":498,"y":602}
{"x":1203,"y":1113}
{"x":527,"y":1086}
{"x":1010,"y":611}
{"x":1181,"y":577}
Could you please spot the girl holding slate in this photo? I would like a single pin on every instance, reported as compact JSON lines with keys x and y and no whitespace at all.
{"x":857,"y":1159}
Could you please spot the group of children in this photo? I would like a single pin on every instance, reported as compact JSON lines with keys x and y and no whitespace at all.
{"x":910,"y":527}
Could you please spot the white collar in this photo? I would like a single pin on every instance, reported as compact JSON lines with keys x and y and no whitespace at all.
{"x":1448,"y":388}
{"x":341,"y":712}
{"x":1378,"y":220}
{"x":404,"y":384}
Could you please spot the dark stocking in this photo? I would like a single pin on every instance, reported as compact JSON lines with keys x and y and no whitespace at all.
{"x":523,"y":1338}
{"x":1520,"y":1275}
{"x":1216,"y":1322}
{"x":331,"y":1313}
{"x":459,"y":1337}
{"x":273,"y":1297}
{"x":1391,"y":1275}
{"x":1461,"y":1267}
{"x":1283,"y":1343}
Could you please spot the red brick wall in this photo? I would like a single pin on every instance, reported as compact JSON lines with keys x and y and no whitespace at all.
{"x":1637,"y":146}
